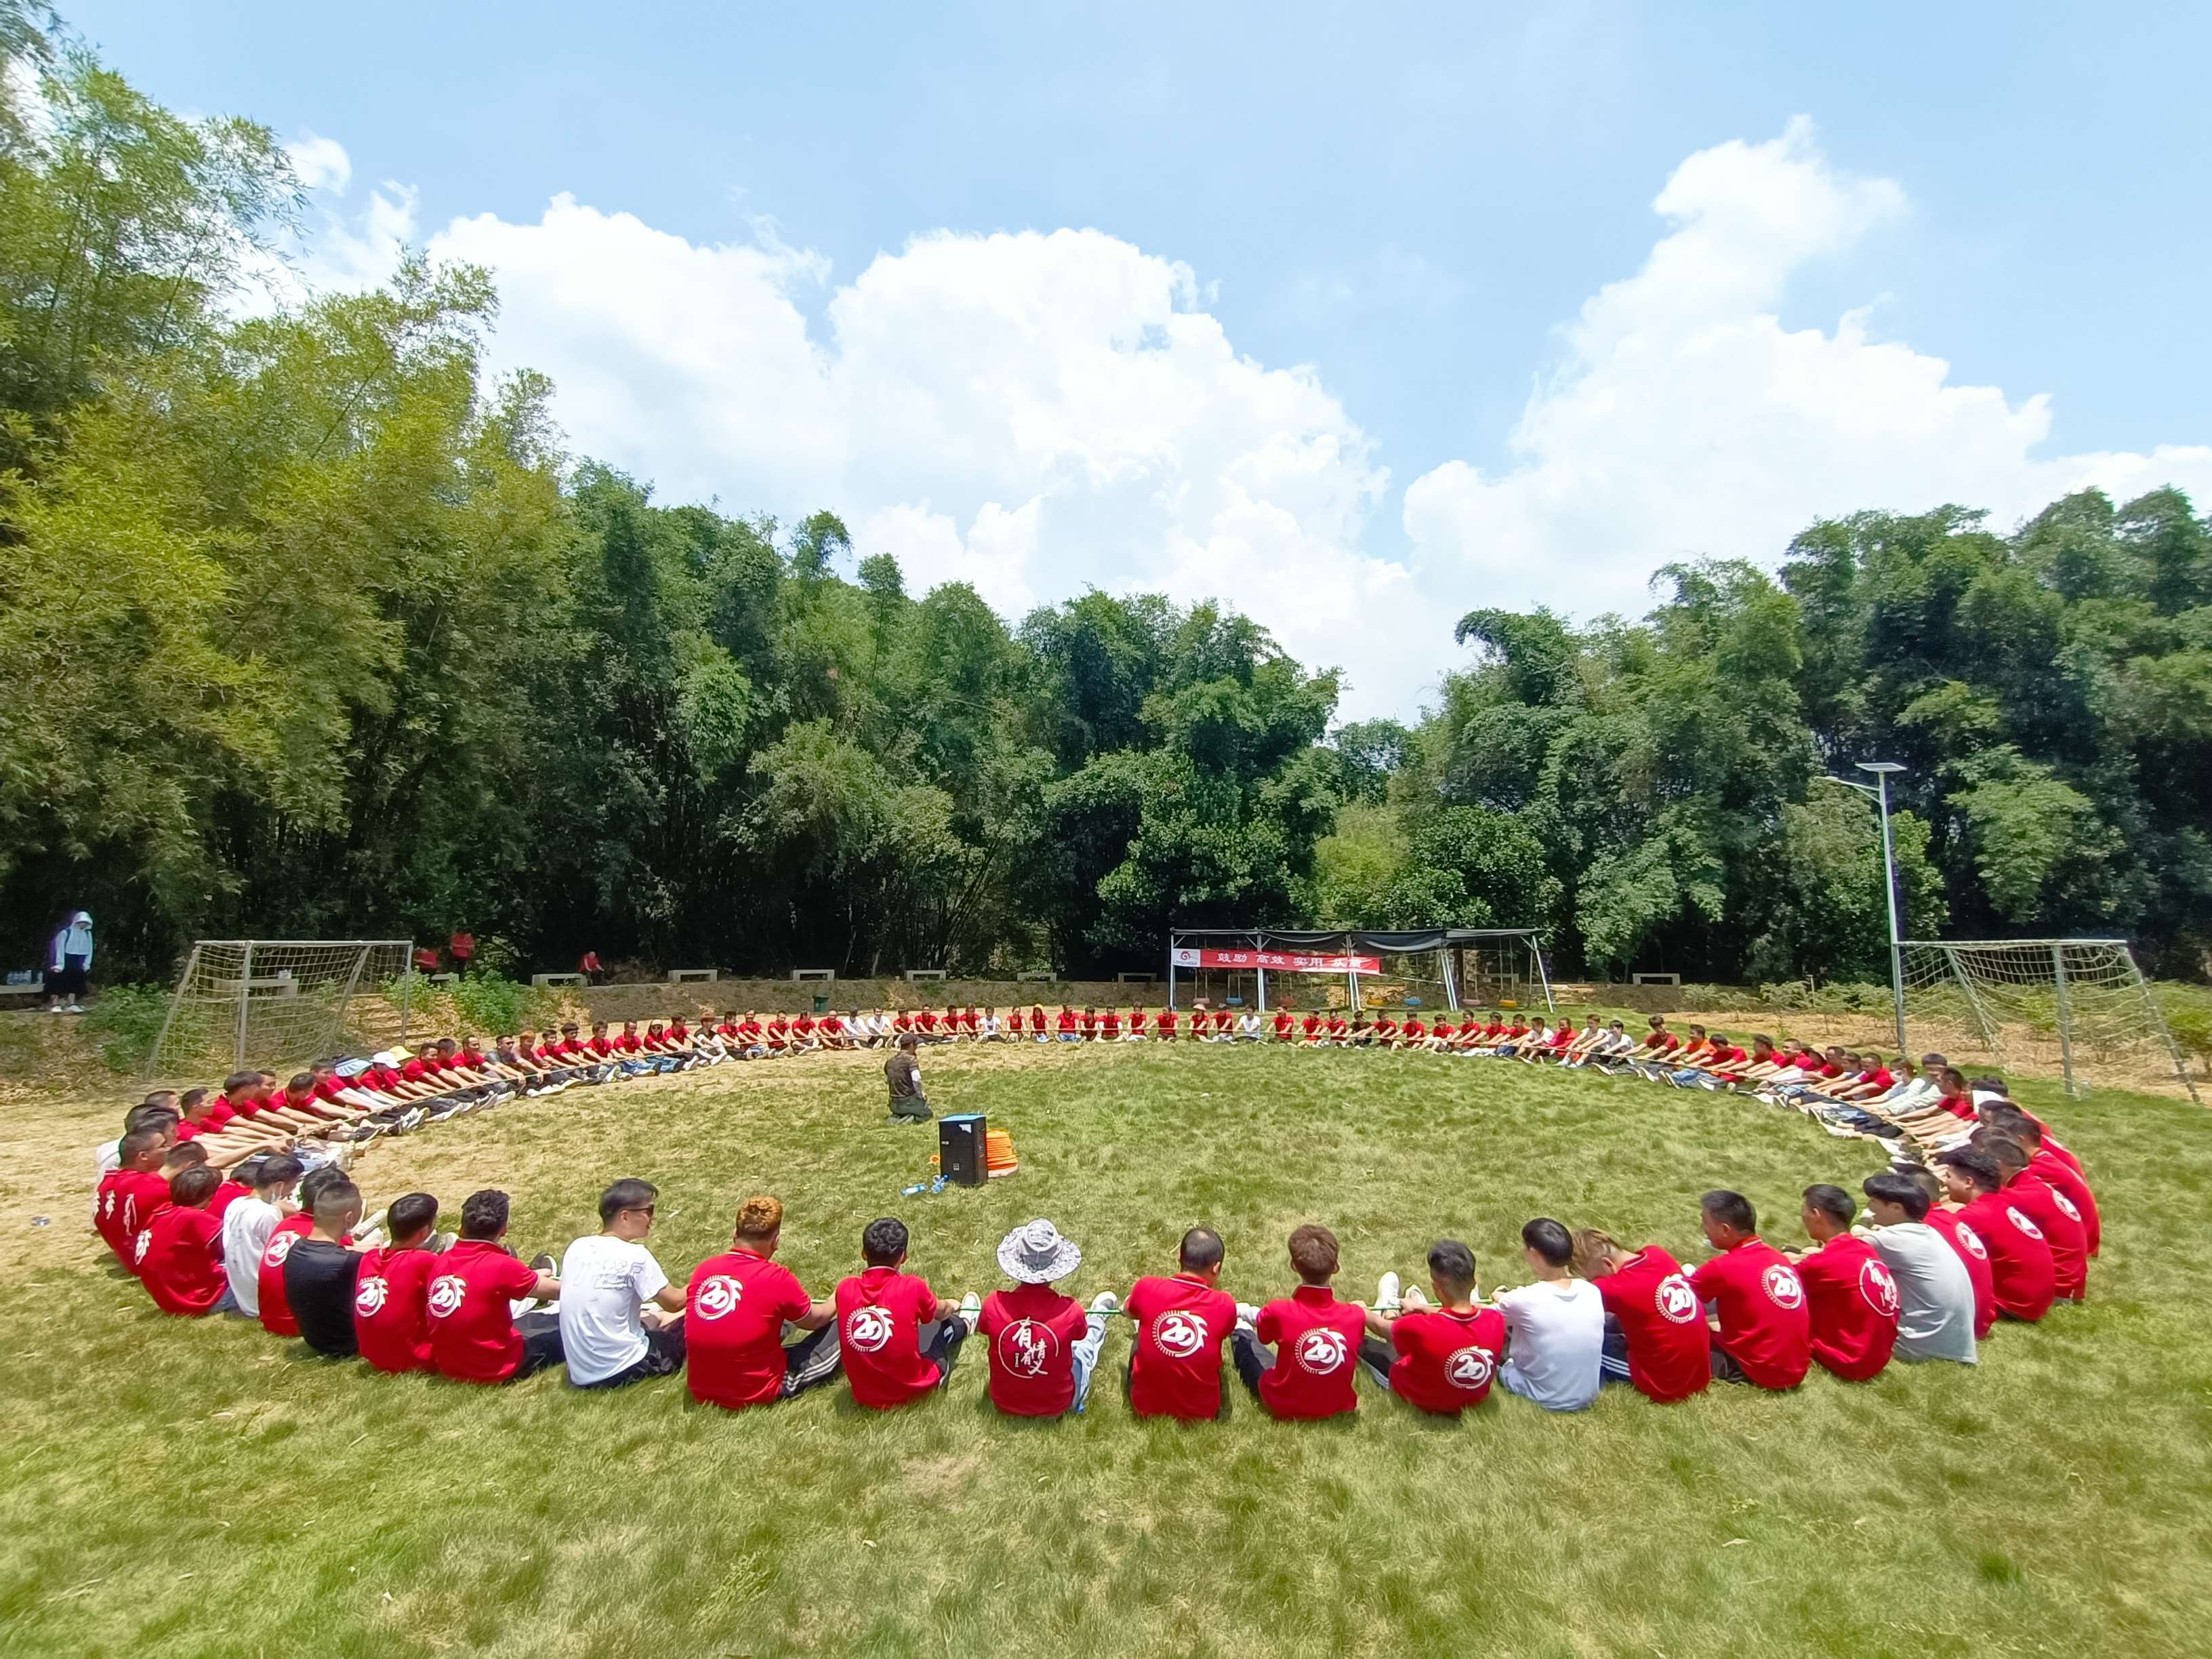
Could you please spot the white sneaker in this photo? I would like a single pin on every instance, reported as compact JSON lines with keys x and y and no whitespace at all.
{"x":1386,"y":1294}
{"x":1105,"y":1303}
{"x":971,"y":1310}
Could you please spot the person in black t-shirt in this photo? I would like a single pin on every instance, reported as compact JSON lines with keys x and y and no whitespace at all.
{"x":320,"y":1271}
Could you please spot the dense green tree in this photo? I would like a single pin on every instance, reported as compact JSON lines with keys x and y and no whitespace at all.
{"x":315,"y":631}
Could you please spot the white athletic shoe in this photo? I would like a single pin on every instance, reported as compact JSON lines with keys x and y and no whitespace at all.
{"x":1105,"y":1303}
{"x":1386,"y":1294}
{"x":971,"y":1310}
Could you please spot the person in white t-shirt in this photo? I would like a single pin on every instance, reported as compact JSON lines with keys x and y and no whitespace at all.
{"x":1555,"y":1327}
{"x":987,"y":1028}
{"x":1248,"y":1027}
{"x":621,"y":1319}
{"x":249,"y":1221}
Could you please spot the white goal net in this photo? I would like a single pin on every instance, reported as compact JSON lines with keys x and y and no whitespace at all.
{"x":280,"y":1002}
{"x":2078,"y":1005}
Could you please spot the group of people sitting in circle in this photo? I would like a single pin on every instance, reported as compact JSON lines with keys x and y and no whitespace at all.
{"x":2000,"y":1223}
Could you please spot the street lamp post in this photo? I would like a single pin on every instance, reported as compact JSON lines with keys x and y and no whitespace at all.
{"x":1879,"y":790}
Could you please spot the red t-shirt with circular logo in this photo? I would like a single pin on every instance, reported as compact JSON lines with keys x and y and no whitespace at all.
{"x":1316,"y":1339}
{"x":1175,"y":1363}
{"x":1446,"y":1360}
{"x":1032,"y":1330}
{"x":1669,"y":1350}
{"x":733,"y":1316}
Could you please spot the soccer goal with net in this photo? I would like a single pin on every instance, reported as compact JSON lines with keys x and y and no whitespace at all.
{"x":2081,"y":1003}
{"x":1362,"y":968}
{"x":281,"y":1001}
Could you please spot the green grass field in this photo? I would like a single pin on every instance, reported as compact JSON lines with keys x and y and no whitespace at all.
{"x":201,"y":1488}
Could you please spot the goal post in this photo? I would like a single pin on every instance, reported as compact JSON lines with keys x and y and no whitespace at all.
{"x":284,"y":1000}
{"x":1412,"y":968}
{"x":2082,"y":1003}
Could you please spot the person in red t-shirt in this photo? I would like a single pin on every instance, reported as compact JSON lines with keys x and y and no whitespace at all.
{"x":2023,"y":1275}
{"x":734,"y":1313}
{"x":1763,"y":1334}
{"x":898,"y":1340}
{"x":474,"y":1334}
{"x":1175,"y":1363}
{"x":1973,"y":1254}
{"x":1439,"y":1359}
{"x":1140,"y":1024}
{"x":391,"y":1321}
{"x":2053,"y":1214}
{"x":179,"y":1253}
{"x":1338,"y":1029}
{"x":1110,"y":1025}
{"x":1043,"y":1346}
{"x":1311,"y":1028}
{"x":1166,"y":1024}
{"x":128,"y":1195}
{"x":275,"y":1307}
{"x":1036,"y":1021}
{"x":1284,"y":1026}
{"x":1851,"y":1300}
{"x":1069,"y":1026}
{"x":1297,"y":1356}
{"x":1655,"y":1337}
{"x":589,"y":966}
{"x":2061,"y":1176}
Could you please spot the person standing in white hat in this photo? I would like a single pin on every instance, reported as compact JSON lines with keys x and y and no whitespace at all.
{"x":69,"y":965}
{"x":1044,"y":1345}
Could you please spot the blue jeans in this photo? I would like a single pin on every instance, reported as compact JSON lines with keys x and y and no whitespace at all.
{"x":1085,"y":1355}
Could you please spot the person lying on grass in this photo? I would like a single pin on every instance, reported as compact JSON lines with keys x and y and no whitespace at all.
{"x":2023,"y":1277}
{"x":1555,"y":1327}
{"x":1297,"y":1354}
{"x":391,"y":1324}
{"x":896,"y":1340}
{"x":1851,"y":1298}
{"x":1762,"y":1332}
{"x":179,"y":1252}
{"x":606,"y":1340}
{"x":735,"y":1311}
{"x":1175,"y":1363}
{"x":204,"y":1117}
{"x":1936,"y":1295}
{"x":322,"y":1270}
{"x":1438,"y":1359}
{"x":2053,"y":1213}
{"x":1043,"y":1346}
{"x":1656,"y":1338}
{"x":475,"y":1335}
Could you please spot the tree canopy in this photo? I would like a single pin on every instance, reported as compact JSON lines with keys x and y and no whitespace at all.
{"x":316,"y":630}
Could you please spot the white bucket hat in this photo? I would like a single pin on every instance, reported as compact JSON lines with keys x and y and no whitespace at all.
{"x":1035,"y":1253}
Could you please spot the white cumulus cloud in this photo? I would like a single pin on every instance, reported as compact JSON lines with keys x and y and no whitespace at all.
{"x":1685,"y":419}
{"x":1035,"y":414}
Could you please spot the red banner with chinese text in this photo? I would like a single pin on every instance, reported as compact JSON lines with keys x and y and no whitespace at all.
{"x":1275,"y":962}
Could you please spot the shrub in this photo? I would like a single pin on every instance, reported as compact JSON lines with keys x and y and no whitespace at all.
{"x":128,"y":1020}
{"x":492,"y":1002}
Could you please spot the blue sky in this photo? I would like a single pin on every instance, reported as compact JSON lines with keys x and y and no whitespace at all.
{"x":1416,"y":203}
